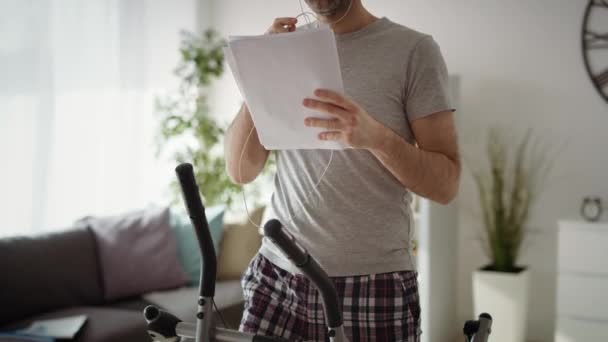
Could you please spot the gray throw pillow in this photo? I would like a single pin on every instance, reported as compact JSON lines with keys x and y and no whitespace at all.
{"x":137,"y":252}
{"x":46,"y":272}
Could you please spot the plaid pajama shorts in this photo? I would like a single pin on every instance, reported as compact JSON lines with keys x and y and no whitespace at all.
{"x":376,"y":307}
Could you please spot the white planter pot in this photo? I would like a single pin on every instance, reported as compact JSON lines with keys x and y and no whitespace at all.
{"x":505,"y":297}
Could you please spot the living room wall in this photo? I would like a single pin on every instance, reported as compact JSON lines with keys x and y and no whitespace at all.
{"x":520,"y":66}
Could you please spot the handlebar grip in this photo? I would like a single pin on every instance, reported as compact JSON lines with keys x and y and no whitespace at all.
{"x":196,"y":211}
{"x":187,"y":182}
{"x":161,"y":324}
{"x":273,"y":229}
{"x":485,"y":327}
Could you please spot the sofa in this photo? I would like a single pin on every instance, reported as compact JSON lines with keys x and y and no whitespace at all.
{"x":59,"y":274}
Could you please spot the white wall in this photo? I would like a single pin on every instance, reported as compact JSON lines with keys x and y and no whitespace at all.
{"x":521,"y":66}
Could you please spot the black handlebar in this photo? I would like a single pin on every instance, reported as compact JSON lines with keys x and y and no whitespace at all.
{"x":485,"y":327}
{"x":273,"y":229}
{"x":161,"y":324}
{"x":478,"y":330}
{"x":196,"y":211}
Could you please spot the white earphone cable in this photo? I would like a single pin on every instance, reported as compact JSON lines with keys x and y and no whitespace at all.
{"x":291,"y":216}
{"x":350,"y":6}
{"x":331,"y":156}
{"x":241,"y":177}
{"x":305,"y":14}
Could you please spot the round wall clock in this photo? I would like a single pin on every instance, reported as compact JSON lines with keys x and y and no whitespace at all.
{"x":595,"y":44}
{"x":591,"y":209}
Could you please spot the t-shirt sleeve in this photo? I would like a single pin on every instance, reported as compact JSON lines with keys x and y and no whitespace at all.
{"x":427,"y":87}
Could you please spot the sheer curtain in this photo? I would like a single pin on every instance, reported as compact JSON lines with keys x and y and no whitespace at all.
{"x":77,"y":87}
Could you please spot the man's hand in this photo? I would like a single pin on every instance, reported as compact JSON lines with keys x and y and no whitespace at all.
{"x":352,"y":125}
{"x":282,"y":25}
{"x":431,"y":170}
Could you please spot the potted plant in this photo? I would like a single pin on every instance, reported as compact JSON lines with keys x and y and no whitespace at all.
{"x":508,"y":187}
{"x":188,"y":132}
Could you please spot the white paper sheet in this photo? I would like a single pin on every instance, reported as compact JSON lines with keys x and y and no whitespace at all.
{"x":275,"y":73}
{"x":65,"y":328}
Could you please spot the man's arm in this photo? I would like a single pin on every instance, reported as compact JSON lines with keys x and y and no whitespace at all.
{"x":254,"y":155}
{"x":431,"y":170}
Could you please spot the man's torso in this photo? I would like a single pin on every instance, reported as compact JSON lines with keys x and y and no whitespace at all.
{"x":358,"y":219}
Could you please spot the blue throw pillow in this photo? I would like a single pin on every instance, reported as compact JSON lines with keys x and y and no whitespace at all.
{"x":187,"y":244}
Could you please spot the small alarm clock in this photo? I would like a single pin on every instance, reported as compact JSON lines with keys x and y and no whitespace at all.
{"x":591,"y":209}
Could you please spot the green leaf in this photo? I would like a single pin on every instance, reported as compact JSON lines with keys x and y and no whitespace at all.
{"x":186,"y":120}
{"x":507,"y":193}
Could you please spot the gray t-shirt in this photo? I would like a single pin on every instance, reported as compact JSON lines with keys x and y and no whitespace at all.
{"x":358,"y":220}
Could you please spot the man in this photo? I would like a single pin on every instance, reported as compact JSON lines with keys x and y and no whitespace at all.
{"x":397,"y":118}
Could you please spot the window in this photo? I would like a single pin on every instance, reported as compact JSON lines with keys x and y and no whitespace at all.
{"x":77,"y":120}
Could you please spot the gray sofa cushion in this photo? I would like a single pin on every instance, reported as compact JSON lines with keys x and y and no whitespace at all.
{"x":48,"y":272}
{"x":102,"y":325}
{"x":134,"y":304}
{"x":182,"y":302}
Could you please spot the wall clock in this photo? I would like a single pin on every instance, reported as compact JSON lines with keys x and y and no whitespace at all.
{"x":595,"y":44}
{"x":591,"y":209}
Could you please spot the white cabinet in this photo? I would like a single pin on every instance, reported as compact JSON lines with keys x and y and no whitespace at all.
{"x":582,"y":282}
{"x":583,"y":248}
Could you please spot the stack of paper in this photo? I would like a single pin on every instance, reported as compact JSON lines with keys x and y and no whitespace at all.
{"x":275,"y":73}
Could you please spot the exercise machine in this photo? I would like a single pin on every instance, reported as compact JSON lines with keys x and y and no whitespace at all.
{"x":165,"y":327}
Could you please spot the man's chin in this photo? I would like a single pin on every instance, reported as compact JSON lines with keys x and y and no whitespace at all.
{"x":328,"y":10}
{"x":326,"y":13}
{"x":327,"y":16}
